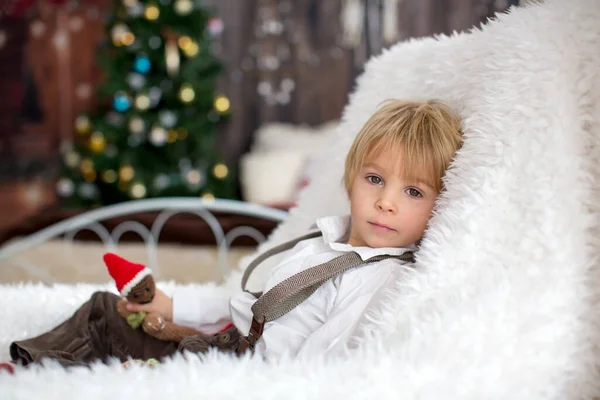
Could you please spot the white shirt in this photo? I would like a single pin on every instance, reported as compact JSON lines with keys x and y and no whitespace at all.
{"x":323,"y":323}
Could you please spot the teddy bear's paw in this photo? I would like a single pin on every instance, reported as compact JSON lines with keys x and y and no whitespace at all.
{"x":154,"y":324}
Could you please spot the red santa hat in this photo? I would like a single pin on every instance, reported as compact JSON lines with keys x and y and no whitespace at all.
{"x":125,"y":273}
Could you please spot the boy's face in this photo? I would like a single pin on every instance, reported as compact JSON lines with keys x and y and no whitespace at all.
{"x":386,"y":209}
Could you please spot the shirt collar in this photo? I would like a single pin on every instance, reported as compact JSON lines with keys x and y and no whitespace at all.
{"x":336,"y":230}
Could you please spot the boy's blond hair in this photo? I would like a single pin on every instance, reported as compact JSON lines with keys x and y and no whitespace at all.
{"x":426,"y":135}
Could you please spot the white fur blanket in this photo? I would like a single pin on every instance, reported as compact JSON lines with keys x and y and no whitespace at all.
{"x":502,"y":304}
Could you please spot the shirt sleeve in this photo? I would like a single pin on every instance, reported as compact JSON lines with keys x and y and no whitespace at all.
{"x":202,"y":307}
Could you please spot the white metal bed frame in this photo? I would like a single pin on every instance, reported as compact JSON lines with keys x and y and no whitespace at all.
{"x":168,"y":207}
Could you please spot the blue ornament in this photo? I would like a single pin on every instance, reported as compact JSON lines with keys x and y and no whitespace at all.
{"x":141,"y":64}
{"x":121,"y":102}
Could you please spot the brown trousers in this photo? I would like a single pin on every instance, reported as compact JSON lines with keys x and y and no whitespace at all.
{"x":97,"y":332}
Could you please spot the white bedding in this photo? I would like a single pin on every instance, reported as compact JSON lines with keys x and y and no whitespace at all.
{"x":503,"y":302}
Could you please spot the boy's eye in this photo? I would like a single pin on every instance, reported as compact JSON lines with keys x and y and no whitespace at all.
{"x":414,"y":192}
{"x":374,"y":179}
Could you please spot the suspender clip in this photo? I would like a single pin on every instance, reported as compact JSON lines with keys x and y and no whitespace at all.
{"x":256,"y":331}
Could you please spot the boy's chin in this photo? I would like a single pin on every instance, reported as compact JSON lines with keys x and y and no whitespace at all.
{"x":377,"y":243}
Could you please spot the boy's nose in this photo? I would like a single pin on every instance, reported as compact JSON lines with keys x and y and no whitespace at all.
{"x":385,"y":205}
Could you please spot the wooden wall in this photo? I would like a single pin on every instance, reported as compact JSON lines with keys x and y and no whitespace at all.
{"x":322,"y":68}
{"x":309,"y":82}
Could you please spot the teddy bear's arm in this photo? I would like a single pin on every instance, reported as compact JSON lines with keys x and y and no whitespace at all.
{"x":157,"y":327}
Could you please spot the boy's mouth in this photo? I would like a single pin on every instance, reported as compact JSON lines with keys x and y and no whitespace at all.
{"x":381,"y":227}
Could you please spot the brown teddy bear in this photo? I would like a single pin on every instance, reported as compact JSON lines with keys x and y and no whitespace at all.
{"x":136,"y":284}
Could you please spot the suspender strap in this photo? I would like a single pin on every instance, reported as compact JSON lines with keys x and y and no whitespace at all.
{"x":289,"y":293}
{"x":271,"y":252}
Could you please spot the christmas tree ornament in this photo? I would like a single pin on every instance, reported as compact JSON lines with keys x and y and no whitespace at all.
{"x":186,"y":93}
{"x":161,"y":182}
{"x":220,"y":171}
{"x":135,"y":10}
{"x":154,"y":42}
{"x":192,"y":50}
{"x":72,"y":159}
{"x":183,"y":7}
{"x":215,"y":26}
{"x":221,"y":104}
{"x":208,"y":196}
{"x":167,"y":118}
{"x":194,"y":177}
{"x":158,"y":136}
{"x":136,"y":125}
{"x":127,"y":39}
{"x":82,"y":125}
{"x":86,"y":165}
{"x":142,"y":64}
{"x":172,"y":136}
{"x":109,"y":176}
{"x":87,"y":191}
{"x":117,"y":32}
{"x":121,"y":102}
{"x":155,"y":95}
{"x":189,"y":47}
{"x":65,"y":187}
{"x":138,"y":190}
{"x":152,"y":12}
{"x":184,"y":41}
{"x":136,"y":81}
{"x":97,"y":142}
{"x":142,"y":102}
{"x":89,"y":176}
{"x":126,"y":173}
{"x":172,"y":59}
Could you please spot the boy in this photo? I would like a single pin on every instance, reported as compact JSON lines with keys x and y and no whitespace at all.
{"x":393,"y":175}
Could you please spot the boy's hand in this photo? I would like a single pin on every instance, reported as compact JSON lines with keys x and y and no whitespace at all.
{"x":161,"y":304}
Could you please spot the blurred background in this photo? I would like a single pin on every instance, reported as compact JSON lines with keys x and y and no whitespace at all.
{"x":105,"y":101}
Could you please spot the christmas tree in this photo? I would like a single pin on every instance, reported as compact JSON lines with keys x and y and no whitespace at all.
{"x":155,"y":134}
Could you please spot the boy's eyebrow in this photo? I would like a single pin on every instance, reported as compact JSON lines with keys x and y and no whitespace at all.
{"x":421,"y":182}
{"x":372,"y":164}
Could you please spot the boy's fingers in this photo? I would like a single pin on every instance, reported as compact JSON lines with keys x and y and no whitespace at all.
{"x":135,"y":307}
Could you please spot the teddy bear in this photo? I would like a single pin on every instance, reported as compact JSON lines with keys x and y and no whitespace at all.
{"x":136,"y":284}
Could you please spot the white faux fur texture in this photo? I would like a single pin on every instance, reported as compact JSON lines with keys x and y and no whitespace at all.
{"x":502,"y":304}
